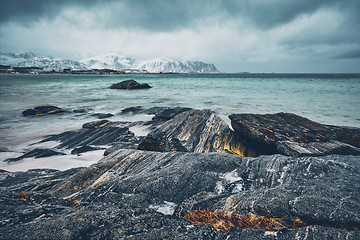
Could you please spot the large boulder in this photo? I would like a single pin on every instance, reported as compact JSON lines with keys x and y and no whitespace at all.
{"x":130,"y":84}
{"x":292,"y":135}
{"x":193,"y":131}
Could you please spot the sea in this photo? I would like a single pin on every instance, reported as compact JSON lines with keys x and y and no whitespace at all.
{"x":326,"y":98}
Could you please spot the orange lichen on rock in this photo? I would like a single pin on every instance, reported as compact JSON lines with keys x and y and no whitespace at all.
{"x":71,"y":199}
{"x":22,"y":194}
{"x":225,"y":221}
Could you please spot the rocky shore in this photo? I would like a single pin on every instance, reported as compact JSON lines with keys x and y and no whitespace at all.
{"x":280,"y":168}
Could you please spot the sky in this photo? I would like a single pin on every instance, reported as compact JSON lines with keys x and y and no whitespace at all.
{"x":236,"y":35}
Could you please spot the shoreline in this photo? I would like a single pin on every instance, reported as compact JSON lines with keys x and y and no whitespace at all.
{"x":138,"y":123}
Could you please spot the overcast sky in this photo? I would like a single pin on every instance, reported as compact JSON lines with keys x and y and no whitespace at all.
{"x":235,"y":35}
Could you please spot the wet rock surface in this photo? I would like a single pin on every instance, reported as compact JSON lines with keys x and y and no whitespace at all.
{"x":293,"y":135}
{"x":169,"y":113}
{"x":192,"y":131}
{"x":199,"y":131}
{"x":103,"y":115}
{"x":42,"y":110}
{"x":133,"y":193}
{"x":191,"y":161}
{"x":132,"y":110}
{"x":99,"y":133}
{"x":130,"y":85}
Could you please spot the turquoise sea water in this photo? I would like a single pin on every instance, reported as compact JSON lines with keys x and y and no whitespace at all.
{"x":326,"y":98}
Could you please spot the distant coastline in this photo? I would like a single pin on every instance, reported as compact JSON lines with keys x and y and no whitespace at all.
{"x":111,"y":63}
{"x":9,"y":70}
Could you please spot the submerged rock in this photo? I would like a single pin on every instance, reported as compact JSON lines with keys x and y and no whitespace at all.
{"x":80,"y":110}
{"x":132,"y":110}
{"x":292,"y":135}
{"x":42,"y":110}
{"x":84,"y":148}
{"x":36,"y":153}
{"x":130,"y":84}
{"x":102,"y":115}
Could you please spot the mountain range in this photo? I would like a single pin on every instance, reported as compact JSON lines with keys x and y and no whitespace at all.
{"x":116,"y":61}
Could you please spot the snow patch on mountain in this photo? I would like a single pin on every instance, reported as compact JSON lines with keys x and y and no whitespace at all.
{"x":116,"y":61}
{"x":24,"y":59}
{"x":165,"y":64}
{"x":49,"y":64}
{"x":15,"y":57}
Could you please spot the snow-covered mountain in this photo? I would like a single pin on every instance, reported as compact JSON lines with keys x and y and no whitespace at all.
{"x":21,"y":59}
{"x":116,"y":61}
{"x":52,"y":63}
{"x":119,"y":61}
{"x":13,"y":58}
{"x":165,"y":64}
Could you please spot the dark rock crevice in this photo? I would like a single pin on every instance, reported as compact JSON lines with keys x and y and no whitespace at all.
{"x":292,"y":135}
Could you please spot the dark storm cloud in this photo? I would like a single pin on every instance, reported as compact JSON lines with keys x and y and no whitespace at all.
{"x":270,"y":13}
{"x":169,"y":15}
{"x":227,"y":32}
{"x":355,"y":54}
{"x":24,"y":10}
{"x":151,"y":15}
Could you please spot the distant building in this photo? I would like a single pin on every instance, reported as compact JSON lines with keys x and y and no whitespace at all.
{"x":106,"y":71}
{"x":5,"y":69}
{"x":135,"y":71}
{"x":67,"y":70}
{"x":28,"y":69}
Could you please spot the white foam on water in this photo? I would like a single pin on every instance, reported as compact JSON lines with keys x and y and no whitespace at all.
{"x":139,"y":130}
{"x":62,"y":162}
{"x":7,"y":155}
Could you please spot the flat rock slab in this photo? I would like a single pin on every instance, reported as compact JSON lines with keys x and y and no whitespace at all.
{"x":292,"y":135}
{"x":133,"y":193}
{"x":42,"y":110}
{"x":99,"y":133}
{"x":130,"y":85}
